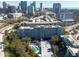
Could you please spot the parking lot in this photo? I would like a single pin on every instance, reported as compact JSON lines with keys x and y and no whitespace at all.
{"x":46,"y":49}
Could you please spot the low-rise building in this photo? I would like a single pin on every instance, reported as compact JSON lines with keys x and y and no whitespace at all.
{"x":49,"y":13}
{"x":71,"y":44}
{"x":40,"y":27}
{"x":67,"y":17}
{"x":14,"y":15}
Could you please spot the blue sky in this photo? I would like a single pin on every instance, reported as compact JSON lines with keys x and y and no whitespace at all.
{"x":65,"y":4}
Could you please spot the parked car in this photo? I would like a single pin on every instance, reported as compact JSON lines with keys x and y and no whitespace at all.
{"x":49,"y":50}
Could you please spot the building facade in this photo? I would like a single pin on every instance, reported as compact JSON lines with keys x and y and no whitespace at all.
{"x":23,"y":5}
{"x":66,"y":16}
{"x":41,"y":6}
{"x":57,"y":9}
{"x":11,"y":9}
{"x":34,"y":4}
{"x":31,"y":9}
{"x":5,"y":5}
{"x":71,"y":44}
{"x":40,"y":32}
{"x":40,"y":27}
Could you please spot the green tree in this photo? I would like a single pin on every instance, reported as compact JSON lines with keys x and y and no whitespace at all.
{"x":32,"y":52}
{"x":17,"y":47}
{"x":13,"y":35}
{"x":76,"y":19}
{"x":16,"y":26}
{"x":55,"y":49}
{"x":26,"y":39}
{"x":6,"y":32}
{"x":54,"y":39}
{"x":61,"y":45}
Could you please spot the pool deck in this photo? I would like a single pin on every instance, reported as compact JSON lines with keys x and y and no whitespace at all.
{"x":44,"y":49}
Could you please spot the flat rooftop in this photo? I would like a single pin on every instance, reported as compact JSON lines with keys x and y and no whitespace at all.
{"x":39,"y":26}
{"x":41,"y":20}
{"x":68,"y":20}
{"x":73,"y":49}
{"x":71,"y":39}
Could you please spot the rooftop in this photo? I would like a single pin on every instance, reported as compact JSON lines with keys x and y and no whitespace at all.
{"x":72,"y":49}
{"x":41,"y":20}
{"x":73,"y":41}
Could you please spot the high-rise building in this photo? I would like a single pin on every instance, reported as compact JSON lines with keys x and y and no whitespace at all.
{"x":57,"y":9}
{"x":23,"y":5}
{"x":34,"y":4}
{"x":11,"y":9}
{"x":31,"y":9}
{"x":41,"y":7}
{"x":4,"y":5}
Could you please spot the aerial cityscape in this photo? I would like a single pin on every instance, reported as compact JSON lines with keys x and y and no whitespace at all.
{"x":49,"y":30}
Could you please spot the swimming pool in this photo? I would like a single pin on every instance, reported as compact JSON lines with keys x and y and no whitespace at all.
{"x":35,"y":48}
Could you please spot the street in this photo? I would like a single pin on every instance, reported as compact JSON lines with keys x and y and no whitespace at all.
{"x":71,"y":27}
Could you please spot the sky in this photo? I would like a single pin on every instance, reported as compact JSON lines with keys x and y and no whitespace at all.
{"x":64,"y":4}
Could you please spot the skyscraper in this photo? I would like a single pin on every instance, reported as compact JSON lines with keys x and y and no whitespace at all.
{"x":11,"y":9}
{"x":4,"y":5}
{"x":41,"y":7}
{"x":34,"y":4}
{"x":23,"y":5}
{"x":57,"y":9}
{"x":31,"y":10}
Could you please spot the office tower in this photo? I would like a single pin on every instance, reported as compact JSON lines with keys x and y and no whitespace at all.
{"x":5,"y":5}
{"x":31,"y":9}
{"x":23,"y":5}
{"x":57,"y":9}
{"x":11,"y":9}
{"x":41,"y":7}
{"x":34,"y":4}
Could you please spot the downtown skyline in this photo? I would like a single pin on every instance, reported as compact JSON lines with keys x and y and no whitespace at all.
{"x":48,"y":4}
